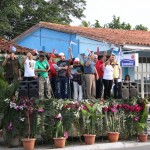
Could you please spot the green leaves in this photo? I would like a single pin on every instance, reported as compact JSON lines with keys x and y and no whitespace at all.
{"x":16,"y":16}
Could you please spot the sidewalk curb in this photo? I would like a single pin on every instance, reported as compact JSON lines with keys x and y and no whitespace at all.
{"x":103,"y":146}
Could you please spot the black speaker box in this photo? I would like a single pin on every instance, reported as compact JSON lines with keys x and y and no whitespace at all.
{"x":23,"y":89}
{"x":125,"y":90}
{"x":133,"y":89}
{"x":33,"y":89}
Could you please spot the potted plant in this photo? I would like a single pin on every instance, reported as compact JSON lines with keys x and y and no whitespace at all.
{"x":112,"y":122}
{"x":31,"y":114}
{"x":13,"y":122}
{"x":89,"y":112}
{"x":141,"y":124}
{"x":60,"y":135}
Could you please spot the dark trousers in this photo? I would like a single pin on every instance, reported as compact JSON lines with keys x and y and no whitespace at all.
{"x":28,"y":78}
{"x":62,"y":87}
{"x":107,"y":88}
{"x":117,"y":89}
{"x":99,"y":88}
{"x":53,"y":85}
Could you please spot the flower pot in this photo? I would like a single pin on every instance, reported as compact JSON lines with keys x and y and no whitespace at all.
{"x":113,"y":136}
{"x":89,"y":139}
{"x":59,"y":142}
{"x":28,"y":144}
{"x":142,"y":137}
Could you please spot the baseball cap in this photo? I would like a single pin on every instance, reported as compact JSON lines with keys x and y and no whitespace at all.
{"x":61,"y":54}
{"x":41,"y":55}
{"x":76,"y":59}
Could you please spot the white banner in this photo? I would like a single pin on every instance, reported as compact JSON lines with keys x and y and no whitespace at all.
{"x":129,"y":60}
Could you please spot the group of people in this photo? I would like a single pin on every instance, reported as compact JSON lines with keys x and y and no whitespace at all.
{"x":93,"y":78}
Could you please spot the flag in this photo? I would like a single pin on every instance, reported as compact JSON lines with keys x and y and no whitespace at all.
{"x":54,"y":51}
{"x":98,"y":51}
{"x":115,"y":51}
{"x":88,"y":52}
{"x":13,"y":48}
{"x":72,"y":43}
{"x":35,"y":52}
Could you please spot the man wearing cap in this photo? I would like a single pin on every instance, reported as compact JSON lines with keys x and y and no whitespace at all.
{"x":62,"y":83}
{"x":52,"y":73}
{"x":77,"y":74}
{"x":12,"y":68}
{"x":42,"y":68}
{"x":90,"y":74}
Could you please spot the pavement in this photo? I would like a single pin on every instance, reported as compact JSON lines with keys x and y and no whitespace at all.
{"x":97,"y":146}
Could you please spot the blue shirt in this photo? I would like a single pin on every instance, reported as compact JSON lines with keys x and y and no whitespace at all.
{"x":89,"y":69}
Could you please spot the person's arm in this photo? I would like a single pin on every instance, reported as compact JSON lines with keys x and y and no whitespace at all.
{"x":97,"y":76}
{"x":120,"y":72}
{"x":5,"y":61}
{"x":70,"y":52}
{"x":88,"y":62}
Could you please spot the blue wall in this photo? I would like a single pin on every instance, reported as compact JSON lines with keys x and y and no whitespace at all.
{"x":46,"y":40}
{"x":85,"y":43}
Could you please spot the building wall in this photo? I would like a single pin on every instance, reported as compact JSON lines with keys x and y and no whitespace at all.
{"x":46,"y":40}
{"x":85,"y":43}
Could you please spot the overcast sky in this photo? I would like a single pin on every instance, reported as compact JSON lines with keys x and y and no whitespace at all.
{"x":130,"y":11}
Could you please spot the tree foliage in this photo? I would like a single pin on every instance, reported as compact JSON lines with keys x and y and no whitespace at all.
{"x":140,"y":27}
{"x":117,"y":24}
{"x":97,"y":24}
{"x":17,"y":16}
{"x":85,"y":23}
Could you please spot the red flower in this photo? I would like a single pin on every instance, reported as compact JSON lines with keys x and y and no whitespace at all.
{"x":136,"y":118}
{"x":105,"y":109}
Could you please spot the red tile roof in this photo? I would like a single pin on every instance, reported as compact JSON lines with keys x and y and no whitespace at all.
{"x":114,"y":36}
{"x":5,"y":47}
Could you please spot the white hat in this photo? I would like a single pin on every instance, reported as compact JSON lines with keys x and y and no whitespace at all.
{"x":61,"y":54}
{"x":76,"y":59}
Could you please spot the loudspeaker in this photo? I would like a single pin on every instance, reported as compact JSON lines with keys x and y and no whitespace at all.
{"x":125,"y":90}
{"x":133,"y":89}
{"x":23,"y":89}
{"x":33,"y":89}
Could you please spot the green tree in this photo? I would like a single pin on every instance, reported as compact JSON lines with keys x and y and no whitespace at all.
{"x":17,"y":16}
{"x":85,"y":23}
{"x":117,"y":24}
{"x":140,"y":27}
{"x":97,"y":24}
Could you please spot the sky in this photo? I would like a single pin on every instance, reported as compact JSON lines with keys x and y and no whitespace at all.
{"x":130,"y":11}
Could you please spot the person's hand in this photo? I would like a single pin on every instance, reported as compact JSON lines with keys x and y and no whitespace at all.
{"x":19,"y":78}
{"x":97,"y":77}
{"x":35,"y":77}
{"x":66,"y":67}
{"x":6,"y":57}
{"x":70,"y":50}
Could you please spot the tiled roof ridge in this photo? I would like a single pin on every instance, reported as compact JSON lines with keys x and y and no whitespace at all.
{"x":115,"y":36}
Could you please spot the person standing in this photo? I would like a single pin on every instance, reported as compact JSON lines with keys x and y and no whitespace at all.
{"x":107,"y":79}
{"x":77,"y":73}
{"x":62,"y":83}
{"x":52,"y":73}
{"x":100,"y":70}
{"x":12,"y":68}
{"x":116,"y":76}
{"x":42,"y":68}
{"x":29,"y":68}
{"x":91,"y":75}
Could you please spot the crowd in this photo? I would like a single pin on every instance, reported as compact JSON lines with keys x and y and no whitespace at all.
{"x":95,"y":77}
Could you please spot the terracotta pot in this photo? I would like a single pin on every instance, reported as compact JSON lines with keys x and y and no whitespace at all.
{"x":28,"y":144}
{"x":59,"y":142}
{"x":113,"y":136}
{"x":142,"y":137}
{"x":89,"y":139}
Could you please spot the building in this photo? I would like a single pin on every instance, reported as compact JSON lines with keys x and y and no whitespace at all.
{"x":48,"y":37}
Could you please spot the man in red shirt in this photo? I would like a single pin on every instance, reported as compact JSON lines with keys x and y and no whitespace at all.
{"x":100,"y":70}
{"x":52,"y":73}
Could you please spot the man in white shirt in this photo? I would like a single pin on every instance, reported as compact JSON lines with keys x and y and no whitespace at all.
{"x":29,"y":65}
